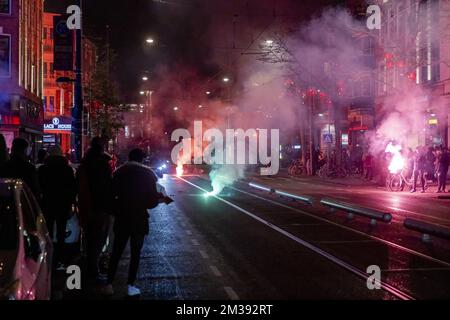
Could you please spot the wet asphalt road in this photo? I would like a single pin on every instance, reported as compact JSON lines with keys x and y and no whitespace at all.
{"x":247,"y":244}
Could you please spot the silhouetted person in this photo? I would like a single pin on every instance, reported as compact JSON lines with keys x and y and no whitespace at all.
{"x":4,"y":154}
{"x":135,"y":191}
{"x":443,"y":162}
{"x":58,"y":186}
{"x":94,"y":194}
{"x":420,"y":168}
{"x":19,"y":167}
{"x":41,"y":156}
{"x":368,"y":166}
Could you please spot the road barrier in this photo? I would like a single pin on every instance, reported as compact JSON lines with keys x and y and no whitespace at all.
{"x":427,"y":229}
{"x":302,"y":198}
{"x":306,"y":199}
{"x":260,"y":187}
{"x":352,"y":209}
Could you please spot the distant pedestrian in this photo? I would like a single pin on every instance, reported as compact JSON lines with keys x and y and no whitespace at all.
{"x":420,"y":168}
{"x":368,"y":166}
{"x":58,"y":185}
{"x":94,"y":178}
{"x":135,"y":192}
{"x":19,"y":167}
{"x":443,"y":163}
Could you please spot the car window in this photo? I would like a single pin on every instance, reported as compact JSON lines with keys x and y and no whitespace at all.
{"x":8,"y":224}
{"x":29,"y":217}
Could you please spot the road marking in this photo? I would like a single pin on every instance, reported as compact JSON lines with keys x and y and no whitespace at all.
{"x":420,"y":214}
{"x":189,"y":232}
{"x":204,"y":254}
{"x":345,"y":241}
{"x":231,"y":293}
{"x":392,"y":244}
{"x":195,"y":242}
{"x":330,"y":257}
{"x":215,"y":271}
{"x":415,"y":269}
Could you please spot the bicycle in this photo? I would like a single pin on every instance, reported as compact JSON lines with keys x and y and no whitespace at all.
{"x":296,"y":168}
{"x":397,"y":181}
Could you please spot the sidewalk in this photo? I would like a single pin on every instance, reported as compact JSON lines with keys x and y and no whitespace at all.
{"x":348,"y":181}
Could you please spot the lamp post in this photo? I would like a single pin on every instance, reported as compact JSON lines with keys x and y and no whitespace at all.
{"x":77,"y":112}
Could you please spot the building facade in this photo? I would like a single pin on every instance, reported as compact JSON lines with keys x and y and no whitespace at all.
{"x":21,"y":71}
{"x":413,"y":60}
{"x":59,"y":97}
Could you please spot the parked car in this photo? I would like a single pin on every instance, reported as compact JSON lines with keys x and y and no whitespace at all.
{"x":25,"y":245}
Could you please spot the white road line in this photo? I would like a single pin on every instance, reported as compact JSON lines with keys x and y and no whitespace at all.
{"x":392,"y":244}
{"x":189,"y":232}
{"x":195,"y":242}
{"x":215,"y":271}
{"x":326,"y":255}
{"x":420,"y":214}
{"x":231,"y":293}
{"x":415,"y":269}
{"x":345,"y":241}
{"x":204,"y":254}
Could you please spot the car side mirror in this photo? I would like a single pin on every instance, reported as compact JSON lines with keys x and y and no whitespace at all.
{"x":32,"y":247}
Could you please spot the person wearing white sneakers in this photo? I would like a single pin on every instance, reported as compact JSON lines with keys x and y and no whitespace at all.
{"x":135,"y":192}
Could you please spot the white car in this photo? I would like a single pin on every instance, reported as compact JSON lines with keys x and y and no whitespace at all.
{"x":25,"y":246}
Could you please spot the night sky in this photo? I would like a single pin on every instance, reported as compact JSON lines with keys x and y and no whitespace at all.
{"x":195,"y":33}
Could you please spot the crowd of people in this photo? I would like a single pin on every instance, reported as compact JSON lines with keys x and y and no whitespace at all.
{"x":100,"y":196}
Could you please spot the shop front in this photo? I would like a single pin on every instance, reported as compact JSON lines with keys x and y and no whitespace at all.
{"x":57,"y":131}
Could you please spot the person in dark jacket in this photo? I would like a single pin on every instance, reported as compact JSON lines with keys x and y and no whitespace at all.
{"x":94,"y":178}
{"x":420,"y":169}
{"x":58,"y":186}
{"x":18,"y":166}
{"x":443,"y":162}
{"x":41,"y":156}
{"x":135,"y":191}
{"x":4,"y":155}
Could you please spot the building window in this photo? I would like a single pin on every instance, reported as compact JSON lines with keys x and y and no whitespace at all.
{"x":5,"y":55}
{"x":45,"y":104}
{"x":45,"y":70}
{"x":44,"y":33}
{"x":51,"y":33}
{"x":51,"y":70}
{"x":5,"y":7}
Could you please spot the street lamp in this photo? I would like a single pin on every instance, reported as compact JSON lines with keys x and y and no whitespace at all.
{"x":269,"y":42}
{"x":150,"y":40}
{"x":175,"y":109}
{"x":142,"y":93}
{"x":208,"y":92}
{"x":226,"y":79}
{"x":144,"y":78}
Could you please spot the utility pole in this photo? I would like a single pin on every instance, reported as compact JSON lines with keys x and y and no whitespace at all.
{"x":77,"y":112}
{"x":311,"y":133}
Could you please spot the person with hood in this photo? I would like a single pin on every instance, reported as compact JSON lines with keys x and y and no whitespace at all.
{"x":135,"y":190}
{"x":58,"y":187}
{"x":94,"y":178}
{"x":19,"y":167}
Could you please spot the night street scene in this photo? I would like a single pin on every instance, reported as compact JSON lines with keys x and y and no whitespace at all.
{"x":240,"y":151}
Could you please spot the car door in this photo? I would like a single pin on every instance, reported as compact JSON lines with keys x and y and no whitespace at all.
{"x":43,"y":281}
{"x":34,"y":250}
